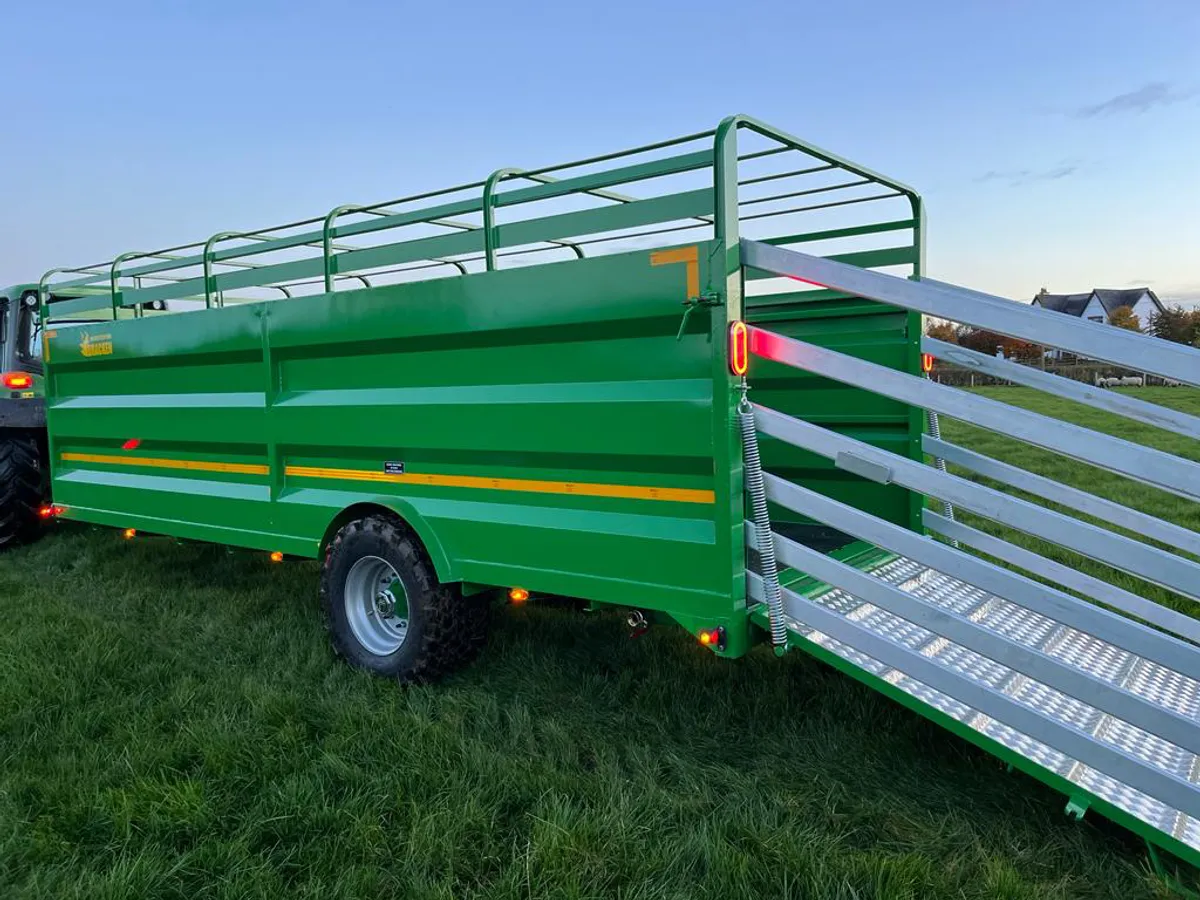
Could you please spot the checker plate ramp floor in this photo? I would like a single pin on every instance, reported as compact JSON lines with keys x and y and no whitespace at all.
{"x":1148,"y":680}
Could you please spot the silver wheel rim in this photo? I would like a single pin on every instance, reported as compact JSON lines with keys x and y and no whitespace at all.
{"x":376,"y":606}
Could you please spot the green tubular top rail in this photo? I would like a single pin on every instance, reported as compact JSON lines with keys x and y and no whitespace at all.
{"x":465,"y":238}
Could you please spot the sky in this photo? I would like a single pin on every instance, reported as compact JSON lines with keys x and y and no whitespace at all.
{"x":1056,"y":143}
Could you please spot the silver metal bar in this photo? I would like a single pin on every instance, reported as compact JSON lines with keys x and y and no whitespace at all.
{"x":943,"y":301}
{"x":1118,"y":598}
{"x":1113,"y":513}
{"x":1177,"y":792}
{"x":1100,"y":398}
{"x":1012,"y":586}
{"x":1150,"y":563}
{"x":1145,"y":464}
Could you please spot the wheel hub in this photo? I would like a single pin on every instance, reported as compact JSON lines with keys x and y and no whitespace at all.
{"x":376,"y":606}
{"x":385,"y":604}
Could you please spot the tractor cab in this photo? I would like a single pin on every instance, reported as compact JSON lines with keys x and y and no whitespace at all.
{"x":20,"y":359}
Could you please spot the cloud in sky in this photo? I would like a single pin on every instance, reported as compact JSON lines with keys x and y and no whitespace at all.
{"x":1147,"y":97}
{"x":1187,"y":296}
{"x":1019,"y":177}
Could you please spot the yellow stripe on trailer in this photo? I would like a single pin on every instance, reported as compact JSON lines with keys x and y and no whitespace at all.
{"x":580,"y":489}
{"x":189,"y":465}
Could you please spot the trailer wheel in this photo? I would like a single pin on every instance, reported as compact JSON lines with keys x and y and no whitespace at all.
{"x":23,"y":488}
{"x":385,"y":609}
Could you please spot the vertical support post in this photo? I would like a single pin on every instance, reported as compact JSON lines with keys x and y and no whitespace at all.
{"x":114,"y":275}
{"x":327,"y":241}
{"x":918,"y":419}
{"x":491,"y":238}
{"x":271,"y":381}
{"x":210,"y":280}
{"x":725,"y":281}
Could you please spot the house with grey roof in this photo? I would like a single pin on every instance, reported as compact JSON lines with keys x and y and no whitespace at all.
{"x":1101,"y":303}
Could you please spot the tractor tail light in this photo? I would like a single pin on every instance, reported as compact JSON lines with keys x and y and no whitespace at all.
{"x":926,"y":363}
{"x":17,"y":381}
{"x":739,"y":349}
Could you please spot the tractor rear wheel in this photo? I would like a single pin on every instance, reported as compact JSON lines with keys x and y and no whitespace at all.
{"x":385,"y":610}
{"x":23,"y":488}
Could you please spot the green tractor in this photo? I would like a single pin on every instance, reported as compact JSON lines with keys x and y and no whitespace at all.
{"x":24,"y":472}
{"x":24,"y":481}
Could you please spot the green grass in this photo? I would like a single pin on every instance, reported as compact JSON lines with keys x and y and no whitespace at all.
{"x":172,"y":724}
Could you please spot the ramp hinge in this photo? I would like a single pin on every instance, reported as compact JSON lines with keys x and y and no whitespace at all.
{"x":1077,"y":806}
{"x":691,"y":304}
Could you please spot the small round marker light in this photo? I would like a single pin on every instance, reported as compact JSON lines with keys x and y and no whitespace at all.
{"x":518,"y":595}
{"x":276,"y":556}
{"x":712,"y":637}
{"x":129,"y":533}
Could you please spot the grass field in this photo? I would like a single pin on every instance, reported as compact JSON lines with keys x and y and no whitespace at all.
{"x":172,"y":724}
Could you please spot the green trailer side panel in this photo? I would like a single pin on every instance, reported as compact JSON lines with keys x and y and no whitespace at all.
{"x":551,"y":430}
{"x":871,"y":331}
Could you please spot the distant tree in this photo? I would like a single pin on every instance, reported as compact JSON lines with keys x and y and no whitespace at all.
{"x":941,"y":330}
{"x":1176,"y":324}
{"x":1123,"y":317}
{"x":1022,"y":350}
{"x":980,"y":340}
{"x":988,"y":342}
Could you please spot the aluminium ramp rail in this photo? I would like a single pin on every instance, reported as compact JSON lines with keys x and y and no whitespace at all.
{"x":1099,"y":697}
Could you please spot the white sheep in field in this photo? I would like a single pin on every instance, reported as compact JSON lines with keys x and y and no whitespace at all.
{"x":1131,"y":381}
{"x":1104,"y":382}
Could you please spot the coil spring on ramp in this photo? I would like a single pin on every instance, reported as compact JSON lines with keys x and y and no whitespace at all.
{"x":757,"y":491}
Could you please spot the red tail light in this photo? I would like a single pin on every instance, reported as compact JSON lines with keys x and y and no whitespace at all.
{"x":17,"y":381}
{"x":927,"y":362}
{"x":739,"y":349}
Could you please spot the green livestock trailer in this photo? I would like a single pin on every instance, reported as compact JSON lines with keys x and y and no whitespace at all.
{"x":686,"y":380}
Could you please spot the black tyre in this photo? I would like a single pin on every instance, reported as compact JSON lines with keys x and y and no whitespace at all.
{"x":24,"y":487}
{"x":386,"y":611}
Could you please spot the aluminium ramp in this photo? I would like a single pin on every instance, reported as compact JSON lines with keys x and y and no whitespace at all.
{"x":1099,"y":695}
{"x":936,"y":672}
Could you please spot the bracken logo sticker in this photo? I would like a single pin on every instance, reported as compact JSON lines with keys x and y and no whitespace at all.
{"x":95,"y":344}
